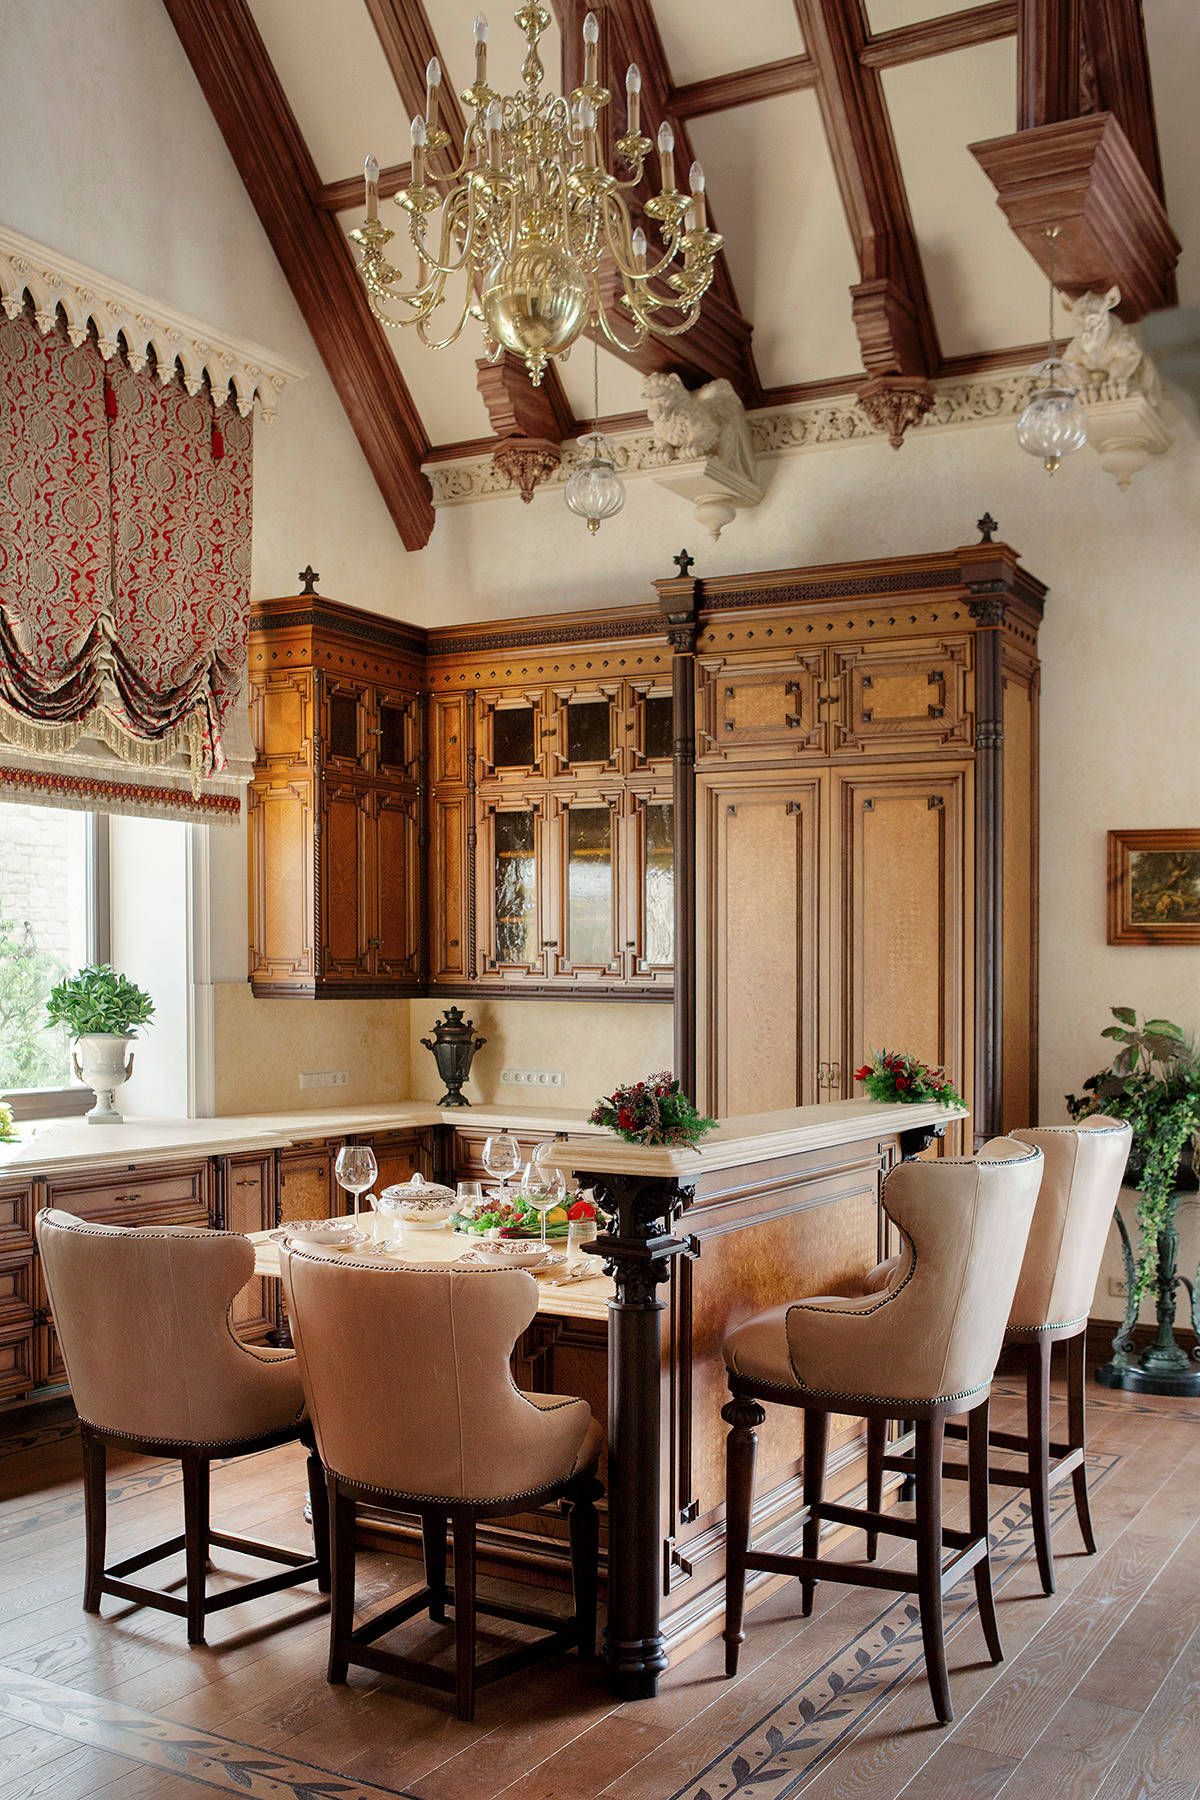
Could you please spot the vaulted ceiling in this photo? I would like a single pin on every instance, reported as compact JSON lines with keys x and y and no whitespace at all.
{"x":863,"y":238}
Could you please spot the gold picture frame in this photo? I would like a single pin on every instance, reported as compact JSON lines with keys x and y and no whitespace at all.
{"x":1154,"y":887}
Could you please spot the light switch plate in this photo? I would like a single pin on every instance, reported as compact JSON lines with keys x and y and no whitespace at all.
{"x":532,"y":1078}
{"x":319,"y":1078}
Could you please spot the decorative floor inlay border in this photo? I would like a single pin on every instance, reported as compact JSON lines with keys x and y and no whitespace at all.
{"x":180,"y":1750}
{"x":775,"y":1757}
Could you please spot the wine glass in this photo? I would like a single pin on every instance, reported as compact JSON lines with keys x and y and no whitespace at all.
{"x":356,"y":1170}
{"x":546,"y":1189}
{"x":502,"y":1159}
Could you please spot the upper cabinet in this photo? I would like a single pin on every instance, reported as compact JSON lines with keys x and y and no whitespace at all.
{"x":336,"y":807}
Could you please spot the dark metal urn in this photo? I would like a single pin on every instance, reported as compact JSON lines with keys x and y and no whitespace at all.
{"x":453,"y":1045}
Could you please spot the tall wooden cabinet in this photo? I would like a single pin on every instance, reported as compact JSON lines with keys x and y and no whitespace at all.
{"x":337,"y":803}
{"x":866,"y":823}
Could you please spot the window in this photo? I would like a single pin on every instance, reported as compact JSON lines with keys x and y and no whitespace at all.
{"x":53,"y":918}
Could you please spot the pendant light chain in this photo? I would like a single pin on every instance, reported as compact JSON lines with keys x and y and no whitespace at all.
{"x":1052,"y":234}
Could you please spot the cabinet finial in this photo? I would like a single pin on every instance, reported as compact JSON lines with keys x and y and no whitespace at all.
{"x":987,"y":527}
{"x":684,"y":563}
{"x":310,"y":578}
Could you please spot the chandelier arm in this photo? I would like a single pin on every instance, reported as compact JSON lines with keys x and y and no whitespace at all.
{"x":453,"y":336}
{"x":641,"y":328}
{"x":625,"y":262}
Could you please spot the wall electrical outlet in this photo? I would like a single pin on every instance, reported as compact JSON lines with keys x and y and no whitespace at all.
{"x":319,"y":1078}
{"x":533,"y":1078}
{"x":1118,"y":1290}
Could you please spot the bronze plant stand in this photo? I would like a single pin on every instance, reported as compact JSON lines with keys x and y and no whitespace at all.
{"x":1166,"y":1367}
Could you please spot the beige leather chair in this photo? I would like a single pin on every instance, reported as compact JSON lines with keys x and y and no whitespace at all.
{"x":143,"y":1318}
{"x":924,"y":1349}
{"x":415,"y":1410}
{"x":1083,"y":1169}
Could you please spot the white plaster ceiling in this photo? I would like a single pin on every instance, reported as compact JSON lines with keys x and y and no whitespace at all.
{"x":334,"y":74}
{"x":712,"y":38}
{"x":889,"y":15}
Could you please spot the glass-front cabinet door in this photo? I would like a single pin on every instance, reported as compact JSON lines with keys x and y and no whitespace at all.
{"x":345,"y":733}
{"x":650,"y":939}
{"x":586,"y":863}
{"x":587,"y":732}
{"x":395,"y":732}
{"x":513,"y":733}
{"x":513,"y":941}
{"x":650,"y":730}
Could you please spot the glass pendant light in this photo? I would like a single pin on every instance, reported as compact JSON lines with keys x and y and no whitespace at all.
{"x":594,"y":490}
{"x":1054,"y":423}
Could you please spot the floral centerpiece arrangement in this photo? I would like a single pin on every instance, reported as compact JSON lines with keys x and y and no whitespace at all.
{"x":653,"y":1111}
{"x":890,"y":1075}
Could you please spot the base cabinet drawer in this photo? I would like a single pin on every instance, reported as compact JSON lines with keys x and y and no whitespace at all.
{"x":176,"y":1195}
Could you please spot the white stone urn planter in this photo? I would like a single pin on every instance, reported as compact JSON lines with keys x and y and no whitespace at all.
{"x":103,"y":1061}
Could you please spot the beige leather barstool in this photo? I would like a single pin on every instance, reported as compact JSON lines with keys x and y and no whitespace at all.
{"x":1082,"y":1173}
{"x":924,"y":1349}
{"x":143,"y":1317}
{"x":415,"y":1411}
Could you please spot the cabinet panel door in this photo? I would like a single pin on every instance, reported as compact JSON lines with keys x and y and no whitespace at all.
{"x":760,"y":928}
{"x":249,"y":1184}
{"x":901,"y":697}
{"x":585,"y":942}
{"x":448,"y":728}
{"x":281,"y":720}
{"x":649,"y":927}
{"x":513,"y":939}
{"x":306,"y":1184}
{"x":346,"y":721}
{"x":776,"y":704}
{"x":904,"y":900}
{"x":395,"y":733}
{"x":281,"y":881}
{"x":346,"y":877}
{"x":449,"y":886}
{"x":396,"y":945}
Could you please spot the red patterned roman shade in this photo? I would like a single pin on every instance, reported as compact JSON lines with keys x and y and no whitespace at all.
{"x":124,"y":559}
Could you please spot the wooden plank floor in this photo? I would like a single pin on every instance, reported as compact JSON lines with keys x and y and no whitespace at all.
{"x":1097,"y":1700}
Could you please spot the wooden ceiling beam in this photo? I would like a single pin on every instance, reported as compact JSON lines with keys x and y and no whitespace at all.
{"x":937,"y":37}
{"x":1114,"y":41}
{"x":718,"y":345}
{"x":235,"y":73}
{"x":1048,"y":62}
{"x":348,"y":195}
{"x":743,"y":87}
{"x":892,"y":312}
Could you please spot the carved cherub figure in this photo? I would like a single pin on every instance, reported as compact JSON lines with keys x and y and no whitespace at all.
{"x":710,"y":422}
{"x":1103,"y":345}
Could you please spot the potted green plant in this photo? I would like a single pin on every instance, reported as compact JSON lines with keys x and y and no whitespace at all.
{"x":8,"y":1129}
{"x":102,"y":1010}
{"x":1154,"y":1082}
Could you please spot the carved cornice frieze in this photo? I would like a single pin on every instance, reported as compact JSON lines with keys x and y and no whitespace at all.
{"x":778,"y":431}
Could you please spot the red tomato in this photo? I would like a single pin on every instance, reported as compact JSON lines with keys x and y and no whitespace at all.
{"x":582,"y":1209}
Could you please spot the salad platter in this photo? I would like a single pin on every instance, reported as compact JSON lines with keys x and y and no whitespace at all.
{"x":517,"y":1217}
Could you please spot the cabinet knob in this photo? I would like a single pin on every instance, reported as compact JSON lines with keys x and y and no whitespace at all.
{"x":549,"y":943}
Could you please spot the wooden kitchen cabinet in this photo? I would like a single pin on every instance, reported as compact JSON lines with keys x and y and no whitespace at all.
{"x":247,"y":1203}
{"x":336,"y":805}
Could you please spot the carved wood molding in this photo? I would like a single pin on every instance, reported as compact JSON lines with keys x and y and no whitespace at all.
{"x":516,"y":408}
{"x":892,"y":311}
{"x":1083,"y":176}
{"x":1049,"y":57}
{"x":147,"y":326}
{"x":935,"y":37}
{"x":718,"y":93}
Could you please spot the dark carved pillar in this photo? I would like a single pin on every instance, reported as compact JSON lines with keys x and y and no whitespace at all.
{"x":638,"y":1248}
{"x":988,"y":608}
{"x":678,"y":599}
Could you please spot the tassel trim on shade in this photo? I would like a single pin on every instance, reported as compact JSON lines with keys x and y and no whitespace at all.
{"x":185,"y":738}
{"x":83,"y":793}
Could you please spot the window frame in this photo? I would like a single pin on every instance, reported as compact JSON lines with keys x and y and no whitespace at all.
{"x":73,"y":1101}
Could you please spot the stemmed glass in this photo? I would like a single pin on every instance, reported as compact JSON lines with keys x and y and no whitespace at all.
{"x":502,"y":1159}
{"x":546,"y":1185}
{"x":356,"y":1170}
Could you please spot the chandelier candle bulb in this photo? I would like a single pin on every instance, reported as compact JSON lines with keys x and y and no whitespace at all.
{"x":591,"y":40}
{"x":666,"y":157}
{"x":417,"y":133}
{"x":433,"y":83}
{"x":587,"y":122}
{"x":493,"y":121}
{"x":481,"y":38}
{"x":633,"y":99}
{"x":697,"y":217}
{"x":371,"y":177}
{"x":639,"y":248}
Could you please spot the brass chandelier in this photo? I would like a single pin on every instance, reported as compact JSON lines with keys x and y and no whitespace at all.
{"x":531,"y":219}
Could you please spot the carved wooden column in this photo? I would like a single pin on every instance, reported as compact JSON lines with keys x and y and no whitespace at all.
{"x":638,"y":1248}
{"x":678,"y":599}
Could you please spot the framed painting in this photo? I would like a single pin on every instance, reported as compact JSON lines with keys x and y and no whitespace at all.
{"x":1154,"y":887}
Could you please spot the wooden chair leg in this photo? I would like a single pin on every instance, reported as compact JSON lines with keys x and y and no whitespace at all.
{"x":318,"y":1504}
{"x":433,"y":1544}
{"x":95,"y":1515}
{"x":930,"y":1443}
{"x":464,"y":1612}
{"x":741,"y":1449}
{"x":1037,"y":1427}
{"x":816,"y":1447}
{"x":585,"y":1558}
{"x":1077,"y":1432}
{"x":342,"y":1518}
{"x":977,"y":1477}
{"x":876,"y":1444}
{"x":195,"y":1535}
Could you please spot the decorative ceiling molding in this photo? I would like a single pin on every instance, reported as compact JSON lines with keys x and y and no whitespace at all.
{"x":937,"y":37}
{"x":246,"y":99}
{"x":718,"y":93}
{"x":147,"y":327}
{"x":1083,"y":176}
{"x":995,"y":398}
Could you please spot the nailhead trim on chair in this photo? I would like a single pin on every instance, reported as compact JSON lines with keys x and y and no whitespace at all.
{"x":449,"y":1500}
{"x":1051,"y":1325}
{"x":192,"y":1443}
{"x":899,"y":1401}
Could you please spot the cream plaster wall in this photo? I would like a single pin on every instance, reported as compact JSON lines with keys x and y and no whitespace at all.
{"x":263,"y":1045}
{"x":594,"y":1045}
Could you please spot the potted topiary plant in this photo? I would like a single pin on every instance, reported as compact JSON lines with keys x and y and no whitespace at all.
{"x":102,"y":1011}
{"x":1154,"y":1082}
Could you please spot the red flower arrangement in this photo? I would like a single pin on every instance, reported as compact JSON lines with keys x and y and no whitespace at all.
{"x":890,"y":1075}
{"x":653,"y":1111}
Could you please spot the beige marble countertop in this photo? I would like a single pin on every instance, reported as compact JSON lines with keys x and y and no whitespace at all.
{"x":67,"y":1146}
